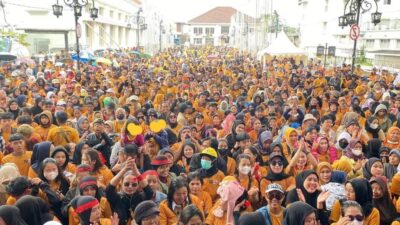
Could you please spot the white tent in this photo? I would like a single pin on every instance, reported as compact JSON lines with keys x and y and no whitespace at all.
{"x":281,"y":46}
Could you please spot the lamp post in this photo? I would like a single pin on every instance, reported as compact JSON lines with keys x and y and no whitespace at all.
{"x":351,"y":16}
{"x":161,"y":22}
{"x":77,"y":6}
{"x":138,"y":27}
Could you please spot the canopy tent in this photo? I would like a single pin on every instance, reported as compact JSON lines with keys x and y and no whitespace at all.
{"x":283,"y":47}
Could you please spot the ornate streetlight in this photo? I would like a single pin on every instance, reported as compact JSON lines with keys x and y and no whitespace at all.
{"x":351,"y":16}
{"x":77,"y":6}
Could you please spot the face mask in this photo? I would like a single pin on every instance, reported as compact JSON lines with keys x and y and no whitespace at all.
{"x":120,"y":116}
{"x":223,"y":151}
{"x":356,"y":152}
{"x":205,"y":164}
{"x":356,"y":222}
{"x":51,"y":176}
{"x":244,"y":169}
{"x":374,"y":126}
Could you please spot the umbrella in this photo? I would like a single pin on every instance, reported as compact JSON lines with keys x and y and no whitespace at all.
{"x":26,"y":60}
{"x":6,"y":56}
{"x":84,"y":56}
{"x":145,"y":55}
{"x":134,"y":52}
{"x":59,"y":64}
{"x":104,"y":61}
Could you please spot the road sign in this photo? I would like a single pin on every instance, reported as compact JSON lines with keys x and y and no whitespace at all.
{"x":331,"y":51}
{"x":320,"y":50}
{"x":354,"y":32}
{"x":78,"y":30}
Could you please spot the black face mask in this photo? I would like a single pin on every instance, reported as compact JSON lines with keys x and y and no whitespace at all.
{"x":223,"y":151}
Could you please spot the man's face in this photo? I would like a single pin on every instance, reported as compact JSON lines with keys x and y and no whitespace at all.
{"x":6,"y":122}
{"x":98,"y":128}
{"x":18,"y":146}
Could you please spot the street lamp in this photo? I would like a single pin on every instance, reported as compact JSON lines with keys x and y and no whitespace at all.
{"x":161,"y":22}
{"x":77,"y":6}
{"x":351,"y":16}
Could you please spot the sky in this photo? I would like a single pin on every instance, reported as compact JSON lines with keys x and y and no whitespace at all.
{"x":184,"y":10}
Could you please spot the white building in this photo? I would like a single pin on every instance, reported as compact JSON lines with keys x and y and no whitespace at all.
{"x":243,"y":32}
{"x":212,"y":27}
{"x":47,"y":33}
{"x":318,"y":22}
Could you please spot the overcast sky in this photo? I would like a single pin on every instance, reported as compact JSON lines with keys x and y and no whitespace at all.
{"x":184,"y":10}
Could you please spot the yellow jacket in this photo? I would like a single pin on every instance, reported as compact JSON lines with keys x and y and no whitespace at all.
{"x":168,"y":216}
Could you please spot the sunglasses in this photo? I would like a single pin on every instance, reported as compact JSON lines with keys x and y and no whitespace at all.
{"x":277,"y":163}
{"x":277,"y":196}
{"x":127,"y":184}
{"x":357,"y":217}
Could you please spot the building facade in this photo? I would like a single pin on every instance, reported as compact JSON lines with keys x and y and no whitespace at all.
{"x":380,"y":44}
{"x":114,"y":27}
{"x":212,"y":27}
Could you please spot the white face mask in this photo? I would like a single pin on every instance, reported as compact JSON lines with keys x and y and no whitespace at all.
{"x":356,"y":152}
{"x":244,"y":169}
{"x":374,"y":126}
{"x":51,"y":176}
{"x":356,"y":222}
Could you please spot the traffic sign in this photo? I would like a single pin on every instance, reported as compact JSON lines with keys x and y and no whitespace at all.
{"x":354,"y":32}
{"x":78,"y":30}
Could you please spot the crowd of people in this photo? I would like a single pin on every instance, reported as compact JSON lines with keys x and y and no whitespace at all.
{"x":193,"y":136}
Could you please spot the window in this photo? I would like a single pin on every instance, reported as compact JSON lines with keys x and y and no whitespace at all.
{"x":209,"y":41}
{"x":369,"y":43}
{"x":387,"y":2}
{"x":198,"y":30}
{"x":385,"y":43}
{"x":101,"y":11}
{"x":198,"y":41}
{"x":111,"y":14}
{"x":324,"y":25}
{"x":326,"y":5}
{"x":209,"y":30}
{"x":384,"y":24}
{"x":398,"y":44}
{"x":225,"y":30}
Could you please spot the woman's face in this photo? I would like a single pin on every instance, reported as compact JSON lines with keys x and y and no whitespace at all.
{"x":323,"y":145}
{"x":50,"y":167}
{"x":302,"y":161}
{"x":216,"y":121}
{"x":394,"y":159}
{"x":293,"y":137}
{"x":350,"y":193}
{"x":85,"y":125}
{"x":257,"y":125}
{"x":95,"y":214}
{"x":276,"y":165}
{"x":180,"y":196}
{"x":250,"y":154}
{"x":60,"y":157}
{"x":153,"y":182}
{"x":86,"y":160}
{"x":377,"y":191}
{"x":89,"y":191}
{"x":239,"y":128}
{"x":395,"y":135}
{"x":14,"y":106}
{"x":195,"y":220}
{"x":188,"y":151}
{"x":195,"y":186}
{"x":311,"y":183}
{"x":353,"y":212}
{"x":377,"y":168}
{"x":325,"y":175}
{"x":44,"y":120}
{"x":163,"y":170}
{"x":311,"y":219}
{"x":276,"y":149}
{"x":130,"y":185}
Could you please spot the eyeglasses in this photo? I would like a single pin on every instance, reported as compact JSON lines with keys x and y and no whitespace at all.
{"x":127,"y":184}
{"x":172,"y":116}
{"x":277,"y":163}
{"x":276,"y":195}
{"x":357,"y":217}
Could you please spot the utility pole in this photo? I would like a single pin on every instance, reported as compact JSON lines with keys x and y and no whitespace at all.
{"x":138,"y":28}
{"x":161,"y":22}
{"x":276,"y":23}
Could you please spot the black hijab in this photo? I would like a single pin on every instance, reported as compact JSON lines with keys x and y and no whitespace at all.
{"x":40,"y":152}
{"x":34,"y":210}
{"x":363,"y":192}
{"x":10,"y":215}
{"x":374,"y":132}
{"x":373,"y":147}
{"x":254,"y":218}
{"x":311,"y":198}
{"x":297,"y":213}
{"x":387,"y":211}
{"x":276,"y":176}
{"x":367,"y":167}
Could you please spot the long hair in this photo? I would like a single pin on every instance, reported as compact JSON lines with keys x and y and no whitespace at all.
{"x":189,"y":212}
{"x":64,"y":182}
{"x":93,"y":155}
{"x":176,"y":184}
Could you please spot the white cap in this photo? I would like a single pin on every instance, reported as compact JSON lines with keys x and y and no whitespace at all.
{"x":110,"y":90}
{"x":133,"y":98}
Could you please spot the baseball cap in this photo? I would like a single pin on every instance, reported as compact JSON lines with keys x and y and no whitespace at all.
{"x":274,"y":187}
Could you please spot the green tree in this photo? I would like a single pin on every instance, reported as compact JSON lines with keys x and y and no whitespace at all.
{"x":21,"y":38}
